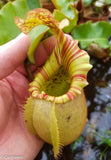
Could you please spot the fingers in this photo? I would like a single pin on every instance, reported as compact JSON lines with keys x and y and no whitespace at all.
{"x":41,"y":53}
{"x":43,"y":50}
{"x":12,"y":54}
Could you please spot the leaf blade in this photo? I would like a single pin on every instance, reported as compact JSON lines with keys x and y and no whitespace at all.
{"x":87,"y":33}
{"x":36,"y":35}
{"x":8,"y":29}
{"x":32,"y":4}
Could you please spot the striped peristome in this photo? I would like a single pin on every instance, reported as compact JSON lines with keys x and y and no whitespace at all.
{"x":66,"y":53}
{"x":75,"y":61}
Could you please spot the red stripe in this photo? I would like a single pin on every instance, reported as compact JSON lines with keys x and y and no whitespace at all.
{"x":36,"y":82}
{"x":44,"y":74}
{"x":57,"y":58}
{"x":51,"y":66}
{"x":65,"y":47}
{"x":75,"y":59}
{"x":70,"y":52}
{"x":73,"y":87}
{"x":81,"y":55}
{"x":73,"y":46}
{"x":79,"y":75}
{"x":66,"y":44}
{"x":71,"y":58}
{"x":69,"y":96}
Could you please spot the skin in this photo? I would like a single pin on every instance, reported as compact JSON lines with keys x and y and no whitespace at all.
{"x":14,"y":84}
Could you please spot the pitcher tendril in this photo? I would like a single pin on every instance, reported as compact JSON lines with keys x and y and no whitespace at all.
{"x":57,"y":90}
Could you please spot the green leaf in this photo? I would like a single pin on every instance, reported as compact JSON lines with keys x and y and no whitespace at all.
{"x":87,"y":33}
{"x":107,"y":1}
{"x":80,"y":139}
{"x":66,"y":10}
{"x":65,"y":7}
{"x":32,"y":4}
{"x":104,"y":137}
{"x":36,"y":34}
{"x":87,"y":2}
{"x":69,"y":13}
{"x":8,"y":29}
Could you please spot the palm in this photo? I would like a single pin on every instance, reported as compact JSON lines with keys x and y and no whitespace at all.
{"x":13,"y":132}
{"x":14,"y":137}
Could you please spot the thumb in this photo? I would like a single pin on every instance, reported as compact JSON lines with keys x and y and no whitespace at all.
{"x":12,"y":54}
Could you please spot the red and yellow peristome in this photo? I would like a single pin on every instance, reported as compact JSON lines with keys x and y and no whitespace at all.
{"x":76,"y":63}
{"x":66,"y":53}
{"x":57,"y":102}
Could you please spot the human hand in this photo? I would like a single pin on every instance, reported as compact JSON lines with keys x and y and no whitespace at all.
{"x":14,"y":137}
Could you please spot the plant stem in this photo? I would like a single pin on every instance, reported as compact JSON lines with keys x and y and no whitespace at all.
{"x":102,"y":154}
{"x":26,"y":64}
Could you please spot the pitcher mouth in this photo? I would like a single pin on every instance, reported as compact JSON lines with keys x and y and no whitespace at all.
{"x":55,"y":87}
{"x":71,"y":67}
{"x":58,"y":84}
